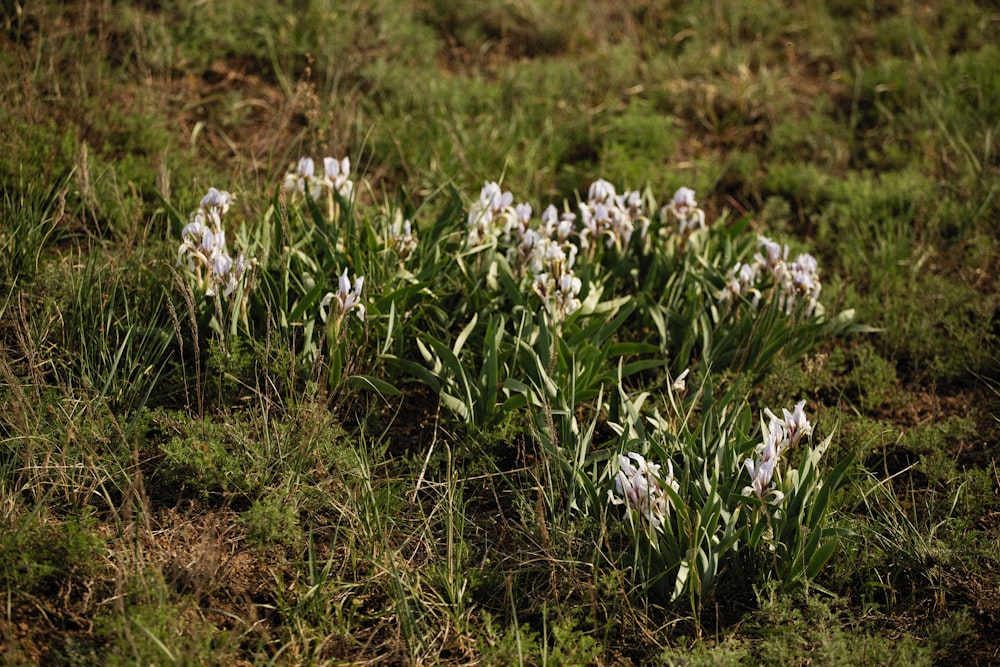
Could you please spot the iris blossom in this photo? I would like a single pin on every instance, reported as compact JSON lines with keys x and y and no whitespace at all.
{"x":780,"y":434}
{"x":347,"y":297}
{"x":203,"y":247}
{"x":685,"y":209}
{"x":641,"y":487}
{"x":335,"y":177}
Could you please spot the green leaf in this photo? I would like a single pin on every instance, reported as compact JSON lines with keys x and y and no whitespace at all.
{"x":418,"y":371}
{"x":372,"y":383}
{"x":820,"y":556}
{"x":311,"y":298}
{"x":464,"y":335}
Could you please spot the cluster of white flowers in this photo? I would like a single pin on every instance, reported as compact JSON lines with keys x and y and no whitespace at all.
{"x":605,"y":215}
{"x":557,"y":286}
{"x":203,"y":247}
{"x":742,"y":281}
{"x":641,"y":487}
{"x":402,"y":238}
{"x":780,"y":434}
{"x":546,"y":248}
{"x":335,"y":178}
{"x":545,"y":252}
{"x":540,"y":249}
{"x":345,"y":299}
{"x":684,"y":209}
{"x":493,"y":216}
{"x":798,"y":282}
{"x":611,"y":216}
{"x":537,"y":246}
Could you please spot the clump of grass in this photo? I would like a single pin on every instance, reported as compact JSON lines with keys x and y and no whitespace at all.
{"x":151,"y":626}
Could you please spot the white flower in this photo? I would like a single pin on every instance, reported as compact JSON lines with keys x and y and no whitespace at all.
{"x":601,"y":191}
{"x":223,"y":265}
{"x":306,"y":167}
{"x":493,"y":212}
{"x":402,"y":238}
{"x":762,"y":470}
{"x":640,"y":486}
{"x":347,"y":297}
{"x":803,"y":282}
{"x":609,"y":216}
{"x":523,"y":213}
{"x":780,"y":434}
{"x":234,"y":275}
{"x":795,"y":424}
{"x":201,"y":240}
{"x":558,"y":291}
{"x":207,"y":256}
{"x":773,"y":256}
{"x":213,"y":242}
{"x":203,"y":245}
{"x":218,"y":200}
{"x":680,"y":382}
{"x":742,"y":281}
{"x":796,"y":284}
{"x":565,"y":226}
{"x":684,"y":198}
{"x":685,"y":209}
{"x":761,"y":473}
{"x":336,"y":176}
{"x":301,"y":177}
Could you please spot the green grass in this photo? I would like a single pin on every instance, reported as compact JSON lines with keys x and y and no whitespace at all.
{"x":211,"y":480}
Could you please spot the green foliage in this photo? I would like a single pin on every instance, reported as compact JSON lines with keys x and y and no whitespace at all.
{"x":242,"y":453}
{"x":635,"y":139}
{"x":272,"y":520}
{"x":788,"y":626}
{"x":151,"y":627}
{"x":872,"y":377}
{"x":558,"y":642}
{"x":714,"y":524}
{"x":31,"y":217}
{"x":43,"y":553}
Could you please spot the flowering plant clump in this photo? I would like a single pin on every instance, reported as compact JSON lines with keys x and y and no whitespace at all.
{"x":709,"y":519}
{"x":795,"y":282}
{"x":302,"y":179}
{"x":780,"y":434}
{"x":335,"y":178}
{"x":558,"y":287}
{"x":491,"y":216}
{"x":685,"y":210}
{"x":640,"y":486}
{"x":543,"y":249}
{"x":203,"y":248}
{"x":606,"y":215}
{"x":610,"y":216}
{"x":706,"y":495}
{"x":539,"y":245}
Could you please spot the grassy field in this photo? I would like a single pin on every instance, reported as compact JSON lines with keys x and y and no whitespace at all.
{"x":393,"y":409}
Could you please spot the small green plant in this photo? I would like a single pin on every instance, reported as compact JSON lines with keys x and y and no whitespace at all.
{"x":558,"y":642}
{"x":272,"y":520}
